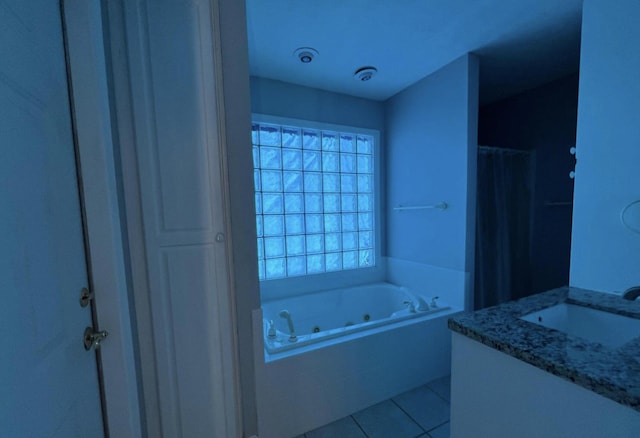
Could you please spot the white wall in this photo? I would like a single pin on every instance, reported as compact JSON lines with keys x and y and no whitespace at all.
{"x":431,"y":142}
{"x":605,"y":256}
{"x":276,"y":98}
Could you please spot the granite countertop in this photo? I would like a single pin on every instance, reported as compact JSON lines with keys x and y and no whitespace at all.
{"x":612,"y":373}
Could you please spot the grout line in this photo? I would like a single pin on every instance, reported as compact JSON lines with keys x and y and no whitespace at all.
{"x":407,"y":414}
{"x":439,"y":425}
{"x":358,"y":424}
{"x":424,"y":434}
{"x":438,"y":395}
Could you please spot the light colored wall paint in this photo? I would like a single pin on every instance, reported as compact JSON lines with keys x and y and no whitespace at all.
{"x":431,"y":137}
{"x":605,"y":256}
{"x":282,"y":99}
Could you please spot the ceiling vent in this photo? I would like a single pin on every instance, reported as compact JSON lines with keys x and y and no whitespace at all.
{"x":305,"y":54}
{"x":365,"y":74}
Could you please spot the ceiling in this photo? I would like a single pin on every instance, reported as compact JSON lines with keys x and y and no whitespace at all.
{"x":521,"y":43}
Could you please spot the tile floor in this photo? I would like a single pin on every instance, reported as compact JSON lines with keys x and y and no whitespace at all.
{"x":422,"y":412}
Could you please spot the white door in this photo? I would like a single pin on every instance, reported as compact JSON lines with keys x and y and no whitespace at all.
{"x":48,"y":382}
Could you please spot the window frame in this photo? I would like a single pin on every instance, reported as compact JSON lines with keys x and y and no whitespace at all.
{"x":308,"y":283}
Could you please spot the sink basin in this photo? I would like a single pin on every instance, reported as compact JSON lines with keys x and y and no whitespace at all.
{"x":593,"y":325}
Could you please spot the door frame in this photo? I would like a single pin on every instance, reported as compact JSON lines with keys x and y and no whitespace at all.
{"x":102,"y":215}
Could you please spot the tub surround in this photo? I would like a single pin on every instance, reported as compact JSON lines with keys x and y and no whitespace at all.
{"x":612,"y":373}
{"x":316,"y":386}
{"x":429,"y":280}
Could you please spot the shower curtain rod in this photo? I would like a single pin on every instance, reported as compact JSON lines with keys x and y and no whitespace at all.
{"x":495,"y":148}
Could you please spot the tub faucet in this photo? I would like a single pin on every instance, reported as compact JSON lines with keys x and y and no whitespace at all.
{"x":632,"y":293}
{"x":411,"y":305}
{"x":292,"y":332}
{"x":421,"y":304}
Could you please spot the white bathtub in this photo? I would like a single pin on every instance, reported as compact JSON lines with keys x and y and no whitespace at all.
{"x":343,"y":368}
{"x":332,"y":314}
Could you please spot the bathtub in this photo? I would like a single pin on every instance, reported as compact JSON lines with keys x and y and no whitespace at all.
{"x":333,"y":314}
{"x":353,"y":348}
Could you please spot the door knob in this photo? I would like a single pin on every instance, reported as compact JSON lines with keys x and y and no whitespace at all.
{"x":93,"y":338}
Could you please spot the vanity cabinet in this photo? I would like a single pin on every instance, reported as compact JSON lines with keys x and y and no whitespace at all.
{"x":496,"y":395}
{"x":514,"y":378}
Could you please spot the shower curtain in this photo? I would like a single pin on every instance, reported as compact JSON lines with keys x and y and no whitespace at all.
{"x":503,"y":225}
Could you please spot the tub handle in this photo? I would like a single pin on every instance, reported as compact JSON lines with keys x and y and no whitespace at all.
{"x":272,"y":330}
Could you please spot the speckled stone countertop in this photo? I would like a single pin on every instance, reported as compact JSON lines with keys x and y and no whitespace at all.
{"x":612,"y":373}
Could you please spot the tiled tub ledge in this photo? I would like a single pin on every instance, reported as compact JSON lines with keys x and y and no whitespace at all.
{"x":612,"y":373}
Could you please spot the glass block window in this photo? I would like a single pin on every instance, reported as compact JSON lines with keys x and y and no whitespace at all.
{"x":314,"y":200}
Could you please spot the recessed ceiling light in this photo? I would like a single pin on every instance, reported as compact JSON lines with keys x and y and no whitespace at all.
{"x":365,"y":74}
{"x":305,"y":54}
